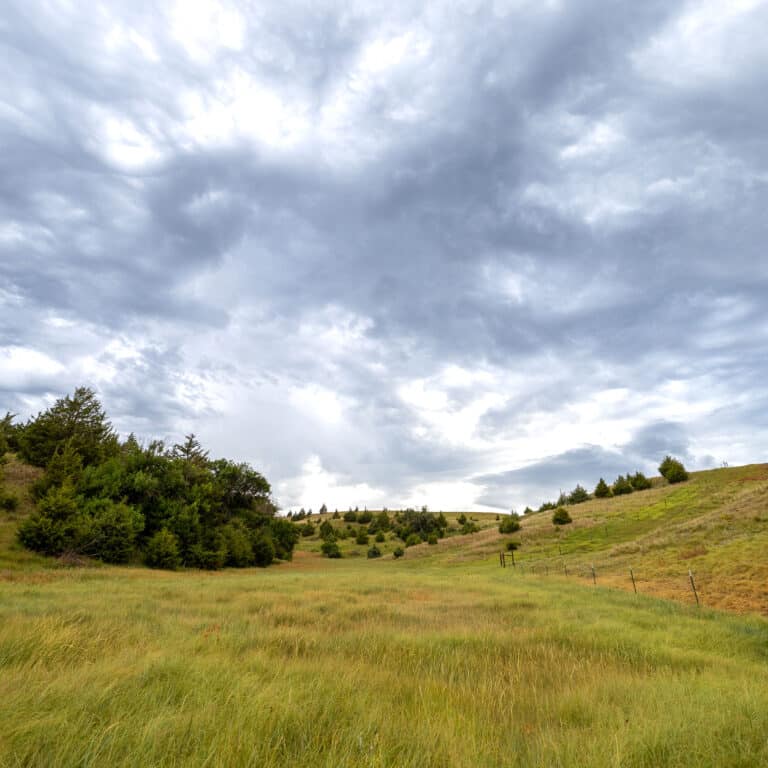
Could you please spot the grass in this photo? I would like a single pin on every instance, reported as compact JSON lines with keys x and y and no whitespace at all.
{"x":439,"y":659}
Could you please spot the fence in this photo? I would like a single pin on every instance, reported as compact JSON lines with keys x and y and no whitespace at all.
{"x":507,"y":560}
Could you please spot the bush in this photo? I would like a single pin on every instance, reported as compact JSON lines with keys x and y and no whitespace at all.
{"x":331,"y":549}
{"x":109,"y":530}
{"x":350,"y":517}
{"x":362,"y":538}
{"x":8,"y":502}
{"x":162,"y":551}
{"x":512,"y":546}
{"x":561,"y":516}
{"x":307,"y":530}
{"x":398,"y":553}
{"x":639,"y":481}
{"x":374,"y":552}
{"x":380,"y":537}
{"x":263,"y":550}
{"x":578,"y":495}
{"x":412,"y":540}
{"x":622,"y":486}
{"x":239,"y":549}
{"x":432,"y":539}
{"x":602,"y":490}
{"x":673,"y":470}
{"x":510,"y":523}
{"x":326,"y":531}
{"x":469,"y":527}
{"x":461,"y":519}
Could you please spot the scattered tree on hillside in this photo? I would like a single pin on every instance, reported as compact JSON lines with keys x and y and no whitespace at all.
{"x":602,"y":490}
{"x":510,"y":523}
{"x":621,"y":486}
{"x":673,"y":470}
{"x":578,"y":495}
{"x":639,"y":481}
{"x":561,"y":516}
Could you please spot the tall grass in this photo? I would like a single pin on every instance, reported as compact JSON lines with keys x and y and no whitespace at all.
{"x":370,"y":664}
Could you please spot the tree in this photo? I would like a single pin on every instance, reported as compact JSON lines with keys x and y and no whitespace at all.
{"x":510,"y":523}
{"x":374,"y":552}
{"x":578,"y":495}
{"x":80,"y":419}
{"x":326,"y":531}
{"x":561,"y":516}
{"x":398,"y":552}
{"x":622,"y":486}
{"x":331,"y":549}
{"x":323,"y":510}
{"x":639,"y":481}
{"x":162,"y":551}
{"x":673,"y":470}
{"x":602,"y":490}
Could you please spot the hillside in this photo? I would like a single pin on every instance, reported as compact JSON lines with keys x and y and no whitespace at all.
{"x":715,"y":525}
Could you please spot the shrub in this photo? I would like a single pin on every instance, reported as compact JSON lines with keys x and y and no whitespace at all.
{"x":510,"y":523}
{"x":578,"y":495}
{"x":622,"y":486}
{"x":365,"y":517}
{"x":362,"y":538}
{"x":326,"y":531}
{"x":263,"y":550}
{"x":673,"y":470}
{"x":412,"y":540}
{"x":380,"y":537}
{"x":239,"y":549}
{"x":461,"y":519}
{"x":307,"y":530}
{"x":512,"y":546}
{"x":374,"y":552}
{"x":639,"y":481}
{"x":162,"y":551}
{"x":109,"y":530}
{"x":602,"y":490}
{"x":398,"y":553}
{"x":561,"y":516}
{"x":350,"y":517}
{"x":331,"y":549}
{"x":8,"y":501}
{"x":469,"y":527}
{"x":432,"y":539}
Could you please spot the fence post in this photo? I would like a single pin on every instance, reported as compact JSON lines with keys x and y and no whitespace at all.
{"x":594,"y":575}
{"x":693,"y":587}
{"x":565,"y":569}
{"x":632,"y":574}
{"x":512,"y":555}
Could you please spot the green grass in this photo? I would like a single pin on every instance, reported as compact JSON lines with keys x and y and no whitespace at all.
{"x":439,"y":659}
{"x":385,"y":664}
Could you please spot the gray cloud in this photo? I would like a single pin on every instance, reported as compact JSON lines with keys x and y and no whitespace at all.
{"x":266,"y":225}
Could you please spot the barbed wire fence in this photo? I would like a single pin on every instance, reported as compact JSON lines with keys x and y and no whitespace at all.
{"x":588,"y":571}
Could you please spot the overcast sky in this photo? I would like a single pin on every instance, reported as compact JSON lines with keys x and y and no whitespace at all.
{"x":462,"y":254}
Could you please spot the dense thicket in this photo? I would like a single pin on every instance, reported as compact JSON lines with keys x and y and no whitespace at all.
{"x":121,"y":501}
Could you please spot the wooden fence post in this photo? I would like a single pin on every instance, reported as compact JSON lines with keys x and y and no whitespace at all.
{"x":693,"y":587}
{"x":594,"y":575}
{"x":632,"y":574}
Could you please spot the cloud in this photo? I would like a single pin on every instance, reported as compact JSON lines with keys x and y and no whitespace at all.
{"x":394,"y":250}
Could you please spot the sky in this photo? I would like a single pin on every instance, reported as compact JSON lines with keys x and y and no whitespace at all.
{"x":463,"y":254}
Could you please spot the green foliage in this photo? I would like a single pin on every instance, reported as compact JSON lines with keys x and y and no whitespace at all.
{"x":512,"y":546}
{"x":362,"y":538}
{"x":673,"y":470}
{"x":374,"y":552}
{"x":432,"y":539}
{"x":108,"y":500}
{"x":263,"y":549}
{"x":602,"y":490}
{"x":336,"y":515}
{"x":578,"y":495}
{"x":307,"y":530}
{"x":412,"y":540}
{"x":639,"y":481}
{"x":8,"y":501}
{"x":79,"y":419}
{"x":162,"y":551}
{"x":461,"y":519}
{"x":561,"y":516}
{"x":469,"y":527}
{"x":350,"y":517}
{"x":380,"y":537}
{"x":510,"y":523}
{"x":398,"y":552}
{"x":547,"y":505}
{"x":326,"y":531}
{"x":331,"y":549}
{"x":528,"y":511}
{"x":622,"y":486}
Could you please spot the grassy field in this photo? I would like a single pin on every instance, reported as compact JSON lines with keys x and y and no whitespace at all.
{"x":439,"y":659}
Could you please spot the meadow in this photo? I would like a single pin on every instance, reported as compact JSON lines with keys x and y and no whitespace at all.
{"x":359,"y":663}
{"x":438,"y":659}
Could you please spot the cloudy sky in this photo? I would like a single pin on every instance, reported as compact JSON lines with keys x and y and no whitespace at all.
{"x":458,"y":253}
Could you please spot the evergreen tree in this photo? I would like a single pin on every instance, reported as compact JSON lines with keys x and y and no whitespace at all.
{"x":602,"y":490}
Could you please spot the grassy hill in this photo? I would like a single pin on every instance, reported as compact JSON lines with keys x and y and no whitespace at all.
{"x":438,"y":660}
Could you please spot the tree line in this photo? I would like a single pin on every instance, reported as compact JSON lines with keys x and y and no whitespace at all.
{"x":119,"y":501}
